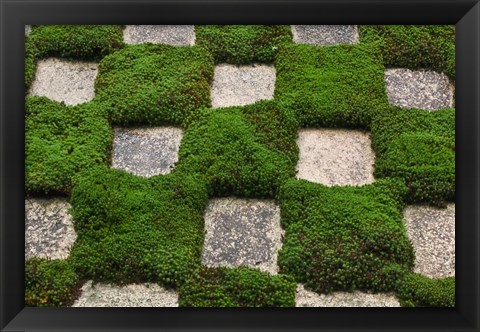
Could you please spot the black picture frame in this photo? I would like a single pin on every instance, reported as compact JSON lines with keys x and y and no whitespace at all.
{"x":465,"y":14}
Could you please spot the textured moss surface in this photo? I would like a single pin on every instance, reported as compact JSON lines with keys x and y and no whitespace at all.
{"x":419,"y":291}
{"x":30,"y":62}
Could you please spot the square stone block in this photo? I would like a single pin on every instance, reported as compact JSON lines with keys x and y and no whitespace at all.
{"x":177,"y":35}
{"x":432,"y":232}
{"x":240,"y":232}
{"x":335,"y":157}
{"x":49,"y":231}
{"x":71,"y":82}
{"x":133,"y":295}
{"x":324,"y":35}
{"x":242,"y":85}
{"x":418,"y":89}
{"x":146,"y":151}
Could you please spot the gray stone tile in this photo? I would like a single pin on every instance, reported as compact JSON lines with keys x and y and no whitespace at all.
{"x":325,"y":35}
{"x":305,"y":298}
{"x":49,"y":231}
{"x":432,"y":232}
{"x":241,"y":232}
{"x":335,"y":157}
{"x":242,"y":85}
{"x":133,"y":295}
{"x":177,"y":35}
{"x":427,"y":90}
{"x":71,"y":82}
{"x":146,"y":151}
{"x":28,"y":29}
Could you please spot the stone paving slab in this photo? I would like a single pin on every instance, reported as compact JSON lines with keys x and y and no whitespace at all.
{"x":305,"y":298}
{"x":427,"y":90}
{"x":241,"y":232}
{"x":28,"y":29}
{"x":71,"y":82}
{"x":49,"y":231}
{"x":432,"y":232}
{"x":146,"y":151}
{"x":177,"y":35}
{"x":134,"y":295}
{"x":325,"y":35}
{"x":335,"y":157}
{"x":242,"y":85}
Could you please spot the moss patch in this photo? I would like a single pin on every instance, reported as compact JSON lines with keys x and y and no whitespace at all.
{"x":87,"y":42}
{"x":30,"y":63}
{"x":246,"y":151}
{"x":344,"y":238}
{"x":416,"y":290}
{"x":49,"y":283}
{"x":154,"y":84}
{"x":243,"y":44}
{"x":419,"y":147}
{"x":334,"y":86}
{"x":61,"y":141}
{"x":239,"y":287}
{"x":414,"y":46}
{"x":133,"y":229}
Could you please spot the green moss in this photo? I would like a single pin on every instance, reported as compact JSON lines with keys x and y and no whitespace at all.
{"x":61,"y":141}
{"x":88,"y":42}
{"x":334,"y":86}
{"x":246,"y":151}
{"x":154,"y":84}
{"x":30,"y":63}
{"x":418,"y":146}
{"x":243,"y":44}
{"x":344,"y":238}
{"x":416,"y":290}
{"x":237,"y":287}
{"x":49,"y":283}
{"x":429,"y":47}
{"x":134,"y":229}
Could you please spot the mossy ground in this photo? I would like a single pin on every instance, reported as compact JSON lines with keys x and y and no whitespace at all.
{"x":134,"y":229}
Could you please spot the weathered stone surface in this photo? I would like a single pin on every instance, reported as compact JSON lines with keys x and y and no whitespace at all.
{"x":241,"y":232}
{"x":418,"y":89}
{"x":28,"y":29}
{"x":432,"y":232}
{"x":242,"y":85}
{"x":335,"y":157}
{"x":134,"y":295}
{"x":49,"y":231}
{"x":177,"y":35}
{"x":71,"y":82}
{"x":305,"y":298}
{"x":324,"y":35}
{"x":146,"y":151}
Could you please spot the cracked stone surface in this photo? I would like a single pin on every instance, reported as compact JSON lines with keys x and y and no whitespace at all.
{"x":28,"y":29}
{"x":242,"y":85}
{"x":427,"y":90}
{"x":133,"y":295}
{"x":325,"y":35}
{"x":49,"y":231}
{"x":71,"y":82}
{"x":305,"y":298}
{"x":432,"y":232}
{"x":177,"y":35}
{"x":335,"y":157}
{"x":146,"y":151}
{"x":240,"y":232}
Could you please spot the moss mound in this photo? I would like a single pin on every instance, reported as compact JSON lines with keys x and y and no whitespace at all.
{"x":87,"y":42}
{"x":344,"y":238}
{"x":243,"y":44}
{"x":246,"y":151}
{"x":237,"y":287}
{"x":415,"y":46}
{"x":334,"y":86}
{"x":30,"y":63}
{"x":419,"y":291}
{"x":49,"y":283}
{"x":154,"y":84}
{"x":419,"y":147}
{"x":134,"y":229}
{"x":61,"y":141}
